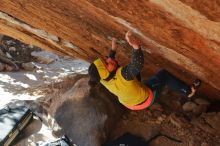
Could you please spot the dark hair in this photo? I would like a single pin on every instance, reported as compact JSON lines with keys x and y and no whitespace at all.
{"x":94,"y":75}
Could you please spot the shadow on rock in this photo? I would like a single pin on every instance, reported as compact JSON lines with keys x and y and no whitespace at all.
{"x":87,"y":115}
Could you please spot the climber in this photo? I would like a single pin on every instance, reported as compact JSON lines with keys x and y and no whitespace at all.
{"x":123,"y":81}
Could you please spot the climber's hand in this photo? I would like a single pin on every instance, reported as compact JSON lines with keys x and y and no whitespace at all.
{"x":132,"y":40}
{"x":114,"y":44}
{"x":193,"y":91}
{"x":196,"y":84}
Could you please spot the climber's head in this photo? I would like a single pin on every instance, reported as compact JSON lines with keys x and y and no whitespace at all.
{"x":100,"y":69}
{"x":111,"y":64}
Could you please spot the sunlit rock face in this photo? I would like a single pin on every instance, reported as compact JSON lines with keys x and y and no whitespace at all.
{"x":180,"y":35}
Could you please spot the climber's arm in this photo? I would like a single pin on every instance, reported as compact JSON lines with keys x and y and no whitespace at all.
{"x":132,"y":70}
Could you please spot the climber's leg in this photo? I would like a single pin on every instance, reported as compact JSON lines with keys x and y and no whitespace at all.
{"x":163,"y":78}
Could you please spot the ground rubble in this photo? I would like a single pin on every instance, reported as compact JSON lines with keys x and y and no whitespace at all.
{"x":169,"y":125}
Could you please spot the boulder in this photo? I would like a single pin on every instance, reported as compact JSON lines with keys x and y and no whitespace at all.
{"x":189,"y":106}
{"x":28,"y":66}
{"x":85,"y":114}
{"x":44,"y":56}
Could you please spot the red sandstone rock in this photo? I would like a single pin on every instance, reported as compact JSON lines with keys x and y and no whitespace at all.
{"x":181,"y":36}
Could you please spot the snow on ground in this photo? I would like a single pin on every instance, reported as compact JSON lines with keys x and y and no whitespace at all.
{"x":48,"y":68}
{"x":12,"y":84}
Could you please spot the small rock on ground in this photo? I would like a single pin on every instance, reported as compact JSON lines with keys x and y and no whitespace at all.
{"x":201,"y":101}
{"x":28,"y":66}
{"x":8,"y":55}
{"x":8,"y":68}
{"x":12,"y":49}
{"x":44,"y":57}
{"x":178,"y":122}
{"x":189,"y":106}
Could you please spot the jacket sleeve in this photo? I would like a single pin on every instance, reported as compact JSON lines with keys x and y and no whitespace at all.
{"x":130,"y":71}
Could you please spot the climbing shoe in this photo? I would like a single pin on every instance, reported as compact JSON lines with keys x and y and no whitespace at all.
{"x":197,"y":83}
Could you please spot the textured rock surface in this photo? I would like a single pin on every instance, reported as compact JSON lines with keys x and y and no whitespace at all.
{"x":209,"y":122}
{"x":85,"y":116}
{"x":180,"y":35}
{"x":90,"y":116}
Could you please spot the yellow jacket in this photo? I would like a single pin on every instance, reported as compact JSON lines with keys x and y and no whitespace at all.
{"x":129,"y":93}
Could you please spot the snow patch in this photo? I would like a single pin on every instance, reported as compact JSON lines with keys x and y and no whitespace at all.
{"x":31,"y":77}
